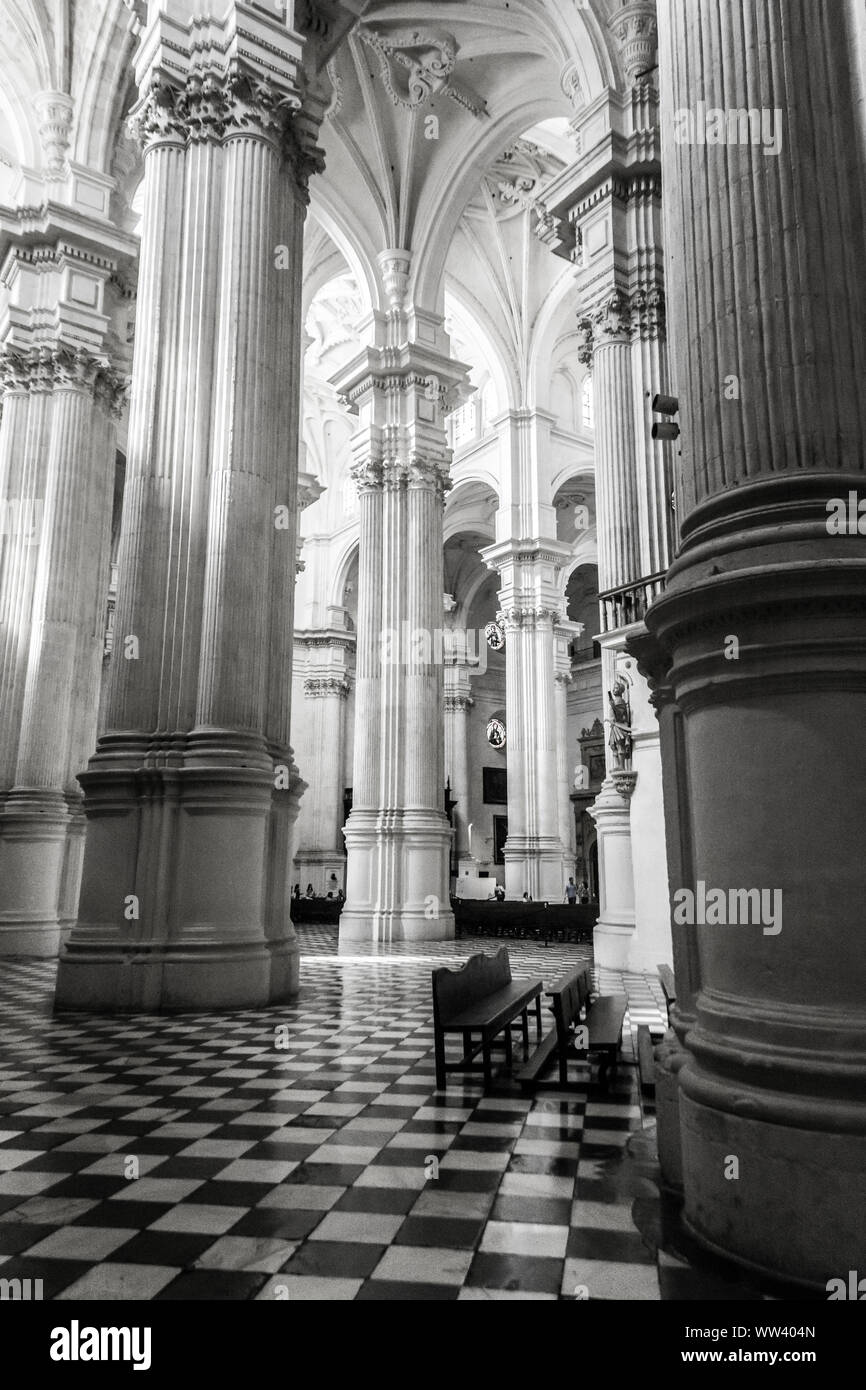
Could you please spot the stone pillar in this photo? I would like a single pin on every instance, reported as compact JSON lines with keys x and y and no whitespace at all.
{"x":564,"y":634}
{"x":398,"y":836}
{"x":192,"y":791}
{"x":764,"y":618}
{"x":320,"y":853}
{"x":607,"y":349}
{"x":531,"y":599}
{"x":58,"y":447}
{"x":458,"y":703}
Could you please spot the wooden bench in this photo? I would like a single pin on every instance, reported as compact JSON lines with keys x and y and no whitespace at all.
{"x":603,"y":1020}
{"x":666,"y":975}
{"x":481,"y":998}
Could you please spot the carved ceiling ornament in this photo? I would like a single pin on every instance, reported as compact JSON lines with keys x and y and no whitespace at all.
{"x":417,"y":64}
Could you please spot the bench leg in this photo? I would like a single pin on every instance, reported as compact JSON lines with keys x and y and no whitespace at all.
{"x":467,"y":1046}
{"x":524,"y":1023}
{"x":562,"y":1049}
{"x":488,"y":1069}
{"x":508,"y":1053}
{"x":439,"y":1048}
{"x":538,"y":1017}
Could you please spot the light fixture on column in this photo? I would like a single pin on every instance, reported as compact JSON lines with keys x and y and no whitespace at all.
{"x":665,"y":429}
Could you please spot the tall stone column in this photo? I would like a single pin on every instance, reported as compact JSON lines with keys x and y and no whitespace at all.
{"x":57,"y":448}
{"x":192,"y":791}
{"x":397,"y":835}
{"x":531,"y":614}
{"x":764,"y":617}
{"x":458,"y":703}
{"x":320,"y":852}
{"x":606,"y":349}
{"x":564,"y":634}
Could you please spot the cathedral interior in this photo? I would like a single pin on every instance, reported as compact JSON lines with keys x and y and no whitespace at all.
{"x":431,"y":463}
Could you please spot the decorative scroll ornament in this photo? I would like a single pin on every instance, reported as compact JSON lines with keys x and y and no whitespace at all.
{"x":417,"y":64}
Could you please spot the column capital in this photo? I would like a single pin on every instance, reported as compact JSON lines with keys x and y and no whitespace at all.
{"x":456,"y":700}
{"x":621,"y":316}
{"x":320,"y":687}
{"x":46,"y":366}
{"x":215,"y":79}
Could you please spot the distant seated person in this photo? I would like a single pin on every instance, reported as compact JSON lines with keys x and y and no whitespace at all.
{"x":584,"y":891}
{"x":296,"y":892}
{"x":499,"y":893}
{"x":329,"y":895}
{"x":526,"y":898}
{"x":309,"y":893}
{"x":341,"y":897}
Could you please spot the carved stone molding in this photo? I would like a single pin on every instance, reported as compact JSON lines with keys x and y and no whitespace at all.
{"x":417,"y":64}
{"x":391,"y":473}
{"x":527,"y":616}
{"x":320,"y":687}
{"x":46,"y":366}
{"x":54,"y":111}
{"x":618,"y":318}
{"x":636,"y":31}
{"x":218,"y":106}
{"x":455,"y":702}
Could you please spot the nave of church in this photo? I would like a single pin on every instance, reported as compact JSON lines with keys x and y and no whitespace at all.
{"x":431,"y":451}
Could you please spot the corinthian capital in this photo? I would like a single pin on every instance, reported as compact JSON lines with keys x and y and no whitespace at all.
{"x":610,"y":322}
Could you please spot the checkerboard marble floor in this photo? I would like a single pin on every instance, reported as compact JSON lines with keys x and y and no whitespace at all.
{"x":304,"y":1152}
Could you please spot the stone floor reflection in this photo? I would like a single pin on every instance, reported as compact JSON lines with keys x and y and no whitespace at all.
{"x":303,"y":1152}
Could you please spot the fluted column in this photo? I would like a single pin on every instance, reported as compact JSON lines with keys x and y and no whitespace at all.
{"x":192,"y":792}
{"x":397,"y":836}
{"x":606,"y":349}
{"x":458,"y":703}
{"x":764,"y":616}
{"x":59,"y":480}
{"x":535,"y":634}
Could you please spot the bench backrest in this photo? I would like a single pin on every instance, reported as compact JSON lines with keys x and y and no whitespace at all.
{"x":480,"y":975}
{"x":569,"y":996}
{"x":666,"y":975}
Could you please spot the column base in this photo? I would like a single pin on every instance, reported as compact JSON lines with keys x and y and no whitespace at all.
{"x":533,"y":865}
{"x":222,"y":975}
{"x":33,"y":847}
{"x":670,"y":1057}
{"x":397,"y":877}
{"x":185,"y":898}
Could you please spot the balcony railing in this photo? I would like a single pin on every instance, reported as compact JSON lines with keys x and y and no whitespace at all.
{"x":628,"y":604}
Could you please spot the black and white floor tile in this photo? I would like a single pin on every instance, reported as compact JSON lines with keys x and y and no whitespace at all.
{"x":303,"y":1152}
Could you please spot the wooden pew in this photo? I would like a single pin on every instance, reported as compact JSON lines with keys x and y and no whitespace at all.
{"x":666,"y":975}
{"x":602,"y":1018}
{"x":480,"y":998}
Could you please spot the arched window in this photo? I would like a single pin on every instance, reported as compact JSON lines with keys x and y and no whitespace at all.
{"x":586,"y":403}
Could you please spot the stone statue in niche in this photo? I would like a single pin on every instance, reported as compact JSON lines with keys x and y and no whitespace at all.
{"x":620,"y":741}
{"x":581,"y":778}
